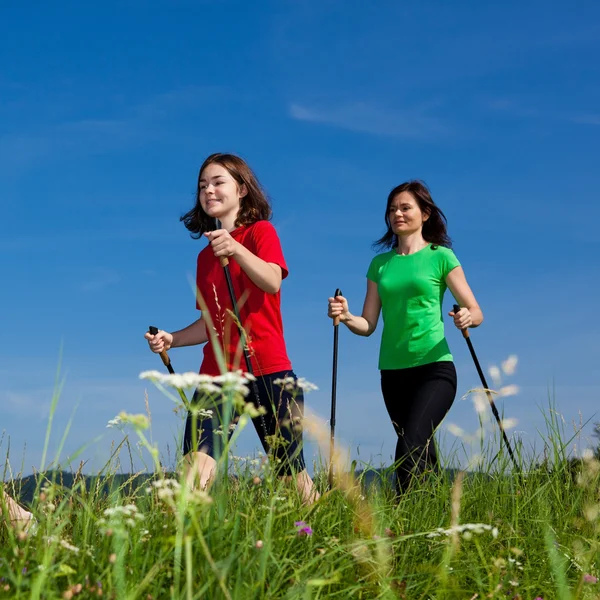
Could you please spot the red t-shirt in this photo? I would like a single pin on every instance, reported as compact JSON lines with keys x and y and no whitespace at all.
{"x":260,"y":312}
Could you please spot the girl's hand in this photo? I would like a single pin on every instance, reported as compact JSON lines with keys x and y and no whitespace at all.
{"x":163,"y":340}
{"x":462,"y":318}
{"x":338,"y":307}
{"x":222,"y":243}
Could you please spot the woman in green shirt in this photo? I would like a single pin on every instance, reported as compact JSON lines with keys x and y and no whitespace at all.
{"x":407,"y":284}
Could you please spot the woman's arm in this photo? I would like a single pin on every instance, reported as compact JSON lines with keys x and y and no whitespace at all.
{"x":364,"y":325}
{"x":470,"y":314}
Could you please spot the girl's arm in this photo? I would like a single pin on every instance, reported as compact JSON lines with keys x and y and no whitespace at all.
{"x":265,"y":275}
{"x":364,"y":325}
{"x":191,"y":335}
{"x":470,"y":314}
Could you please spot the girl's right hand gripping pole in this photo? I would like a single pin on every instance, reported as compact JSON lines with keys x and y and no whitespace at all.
{"x":163,"y":355}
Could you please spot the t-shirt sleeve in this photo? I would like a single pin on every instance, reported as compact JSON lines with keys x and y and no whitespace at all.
{"x":448,"y":262}
{"x":267,"y":246}
{"x":373,"y":270}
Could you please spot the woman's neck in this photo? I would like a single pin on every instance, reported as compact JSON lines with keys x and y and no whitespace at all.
{"x":409,"y":244}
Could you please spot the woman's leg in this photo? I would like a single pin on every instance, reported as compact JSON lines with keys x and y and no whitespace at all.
{"x":417,"y":401}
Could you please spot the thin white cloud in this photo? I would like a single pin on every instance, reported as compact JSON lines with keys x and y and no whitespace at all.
{"x":133,"y":126}
{"x":367,"y":118}
{"x":102,"y":279}
{"x":527,"y":110}
{"x":33,"y":403}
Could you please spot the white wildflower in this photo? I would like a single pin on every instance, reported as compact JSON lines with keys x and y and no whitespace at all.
{"x":455,"y":430}
{"x":306,"y":385}
{"x":509,"y":423}
{"x":494,"y":372}
{"x":68,"y":546}
{"x":202,"y":413}
{"x":510,"y":364}
{"x":116,"y":422}
{"x":468,"y":528}
{"x":287,"y":383}
{"x":139,"y":421}
{"x":509,"y":390}
{"x":479,"y":402}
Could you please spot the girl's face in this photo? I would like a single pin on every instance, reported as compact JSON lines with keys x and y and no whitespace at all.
{"x":406,"y":217}
{"x":220,"y":194}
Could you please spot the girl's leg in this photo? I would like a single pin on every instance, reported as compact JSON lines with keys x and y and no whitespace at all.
{"x":417,"y":400}
{"x":283,"y":440}
{"x":203,"y":432}
{"x":17,"y":515}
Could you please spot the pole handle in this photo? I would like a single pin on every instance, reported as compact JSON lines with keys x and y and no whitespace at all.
{"x":465,"y":332}
{"x":163,"y":355}
{"x":336,"y":321}
{"x":222,"y":259}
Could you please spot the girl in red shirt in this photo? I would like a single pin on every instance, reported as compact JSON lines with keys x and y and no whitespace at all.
{"x":229,"y":191}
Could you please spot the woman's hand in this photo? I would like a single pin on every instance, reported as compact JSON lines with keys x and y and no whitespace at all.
{"x":163,"y":340}
{"x":222,"y":243}
{"x":338,"y":308}
{"x":462,"y":318}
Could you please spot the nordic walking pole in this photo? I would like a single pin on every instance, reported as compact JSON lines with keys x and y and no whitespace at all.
{"x":225,"y":264}
{"x":336,"y":323}
{"x":465,"y":333}
{"x":167,"y":362}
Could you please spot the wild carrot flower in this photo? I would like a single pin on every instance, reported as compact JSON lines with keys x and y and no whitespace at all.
{"x":467,"y":530}
{"x":306,"y":385}
{"x":114,"y":423}
{"x":138,"y":421}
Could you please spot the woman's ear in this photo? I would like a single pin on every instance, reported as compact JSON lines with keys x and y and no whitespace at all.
{"x":243,"y":190}
{"x":426,"y":215}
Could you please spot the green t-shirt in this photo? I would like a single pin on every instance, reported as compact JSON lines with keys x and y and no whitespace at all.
{"x":411,"y":289}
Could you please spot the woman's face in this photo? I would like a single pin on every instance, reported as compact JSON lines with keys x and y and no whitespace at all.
{"x":406,"y":217}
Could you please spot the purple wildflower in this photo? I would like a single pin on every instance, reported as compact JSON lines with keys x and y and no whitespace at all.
{"x":590,"y":578}
{"x":303,"y":528}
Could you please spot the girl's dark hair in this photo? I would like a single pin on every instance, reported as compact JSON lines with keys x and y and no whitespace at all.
{"x":434,"y":229}
{"x":254,"y":206}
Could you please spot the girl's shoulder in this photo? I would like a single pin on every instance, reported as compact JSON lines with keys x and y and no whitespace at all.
{"x":262,"y":232}
{"x":262,"y":225}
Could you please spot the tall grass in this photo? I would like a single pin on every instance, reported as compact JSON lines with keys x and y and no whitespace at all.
{"x":490,"y":533}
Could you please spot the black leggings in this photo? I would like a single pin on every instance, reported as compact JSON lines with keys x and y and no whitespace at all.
{"x":283,"y":422}
{"x":417,"y":400}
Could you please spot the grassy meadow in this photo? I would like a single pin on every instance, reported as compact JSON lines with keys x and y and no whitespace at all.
{"x":486,"y":533}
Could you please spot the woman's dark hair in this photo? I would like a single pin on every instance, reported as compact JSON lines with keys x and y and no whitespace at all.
{"x":434,"y":229}
{"x":254,"y":206}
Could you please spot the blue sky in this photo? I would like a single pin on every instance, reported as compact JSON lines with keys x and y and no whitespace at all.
{"x":107,"y":111}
